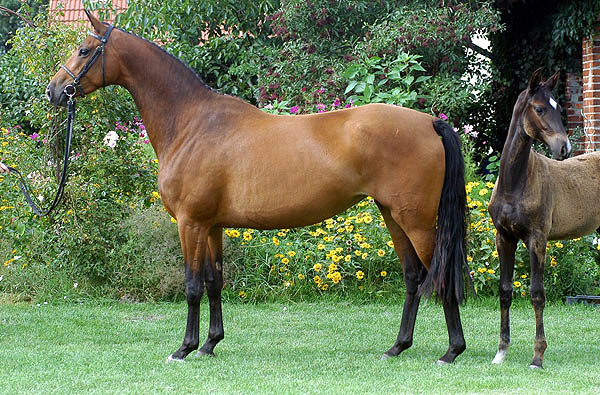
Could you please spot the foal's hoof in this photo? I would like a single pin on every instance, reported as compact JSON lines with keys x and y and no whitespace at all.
{"x":442,"y":363}
{"x":532,"y":366}
{"x":171,"y":359}
{"x":499,"y":358}
{"x":386,"y":356}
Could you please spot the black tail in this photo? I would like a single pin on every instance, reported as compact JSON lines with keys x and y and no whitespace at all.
{"x":449,"y":255}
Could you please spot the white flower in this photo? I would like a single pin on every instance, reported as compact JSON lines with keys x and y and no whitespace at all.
{"x":1,"y":277}
{"x":75,"y":285}
{"x":111,"y":138}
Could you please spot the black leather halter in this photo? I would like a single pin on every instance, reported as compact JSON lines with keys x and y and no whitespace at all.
{"x":71,"y":89}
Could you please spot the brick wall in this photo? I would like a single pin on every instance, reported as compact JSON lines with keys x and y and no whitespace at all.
{"x":574,"y":106}
{"x":591,"y":91}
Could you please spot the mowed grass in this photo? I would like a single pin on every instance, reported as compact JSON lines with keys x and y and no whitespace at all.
{"x":289,"y":348}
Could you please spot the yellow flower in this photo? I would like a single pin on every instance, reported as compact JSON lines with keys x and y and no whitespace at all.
{"x":332,"y":268}
{"x":469,"y":258}
{"x":368,"y":219}
{"x":337,"y":276}
{"x":348,"y":258}
{"x":523,"y":275}
{"x":481,"y":270}
{"x":383,"y":273}
{"x":247,"y":236}
{"x":156,"y":195}
{"x":324,"y":287}
{"x":390,"y":244}
{"x":321,"y":246}
{"x":317,"y":267}
{"x":360,"y":274}
{"x":553,"y":262}
{"x":495,"y":254}
{"x":317,"y":279}
{"x":489,"y":185}
{"x":336,"y":258}
{"x":173,"y":220}
{"x":300,"y":276}
{"x":491,"y":271}
{"x":364,"y":255}
{"x":292,"y":253}
{"x":517,"y":284}
{"x":281,"y":234}
{"x":235,"y":233}
{"x":381,"y":252}
{"x":285,"y":261}
{"x":242,"y":294}
{"x":275,"y":241}
{"x":559,"y":245}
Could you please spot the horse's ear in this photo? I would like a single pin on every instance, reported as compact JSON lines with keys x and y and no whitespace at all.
{"x":99,"y":27}
{"x":535,"y":80}
{"x":551,"y":83}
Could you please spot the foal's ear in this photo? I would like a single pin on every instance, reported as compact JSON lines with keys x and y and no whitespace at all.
{"x":535,"y":80}
{"x":551,"y":83}
{"x":99,"y":27}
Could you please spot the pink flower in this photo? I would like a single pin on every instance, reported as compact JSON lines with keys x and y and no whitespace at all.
{"x":336,"y":103}
{"x":294,"y":110}
{"x":34,"y":136}
{"x":321,"y":107}
{"x":443,"y":116}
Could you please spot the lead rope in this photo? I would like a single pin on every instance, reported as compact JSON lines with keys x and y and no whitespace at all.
{"x":63,"y":178}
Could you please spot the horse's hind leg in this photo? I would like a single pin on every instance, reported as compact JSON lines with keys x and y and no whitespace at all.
{"x":506,"y":245}
{"x":537,"y":257}
{"x":193,"y":243}
{"x":213,"y":278}
{"x":414,"y":273}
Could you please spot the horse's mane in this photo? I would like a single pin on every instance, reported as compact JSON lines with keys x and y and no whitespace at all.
{"x":184,"y":64}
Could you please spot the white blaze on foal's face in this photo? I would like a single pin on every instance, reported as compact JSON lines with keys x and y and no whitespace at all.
{"x":552,"y":102}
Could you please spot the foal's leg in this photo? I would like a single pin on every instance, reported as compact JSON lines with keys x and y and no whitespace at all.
{"x":455,"y":331}
{"x":506,"y":245}
{"x":537,"y":258}
{"x":213,"y":278}
{"x":193,"y":243}
{"x":414,"y":273}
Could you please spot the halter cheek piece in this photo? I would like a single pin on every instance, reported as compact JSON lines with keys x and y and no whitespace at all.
{"x":71,"y":89}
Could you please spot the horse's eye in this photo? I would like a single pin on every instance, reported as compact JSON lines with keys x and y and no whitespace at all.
{"x":540,"y":110}
{"x":84,"y":52}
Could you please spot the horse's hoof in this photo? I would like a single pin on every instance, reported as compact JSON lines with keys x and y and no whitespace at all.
{"x":442,"y":363}
{"x":202,"y":353}
{"x":171,"y":359}
{"x":386,"y":356}
{"x":532,"y":366}
{"x":499,"y":358}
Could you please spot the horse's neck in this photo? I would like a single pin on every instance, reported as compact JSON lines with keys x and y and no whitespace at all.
{"x":162,"y":88}
{"x":516,"y":159}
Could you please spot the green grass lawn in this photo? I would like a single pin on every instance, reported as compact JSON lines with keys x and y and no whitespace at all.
{"x":289,"y":348}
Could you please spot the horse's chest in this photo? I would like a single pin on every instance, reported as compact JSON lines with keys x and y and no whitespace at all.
{"x":513,"y":217}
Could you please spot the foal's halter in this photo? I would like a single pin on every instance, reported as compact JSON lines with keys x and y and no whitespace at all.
{"x":71,"y":89}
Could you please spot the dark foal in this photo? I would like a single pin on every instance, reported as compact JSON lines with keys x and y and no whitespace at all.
{"x":225,"y":163}
{"x":537,"y":199}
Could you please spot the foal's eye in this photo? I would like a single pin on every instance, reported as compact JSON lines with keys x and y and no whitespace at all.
{"x":540,"y":110}
{"x":84,"y":52}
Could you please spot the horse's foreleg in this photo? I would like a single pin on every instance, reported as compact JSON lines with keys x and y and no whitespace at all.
{"x":193,"y":242}
{"x":537,"y":257}
{"x":213,"y":279}
{"x":506,"y":246}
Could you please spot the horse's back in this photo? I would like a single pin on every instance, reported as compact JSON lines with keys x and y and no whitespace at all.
{"x":576,"y":190}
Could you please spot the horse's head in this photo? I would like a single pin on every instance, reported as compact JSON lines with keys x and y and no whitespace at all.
{"x":88,"y":68}
{"x":541,"y":115}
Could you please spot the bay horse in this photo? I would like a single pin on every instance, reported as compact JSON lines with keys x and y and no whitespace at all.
{"x":225,"y":163}
{"x":537,"y":199}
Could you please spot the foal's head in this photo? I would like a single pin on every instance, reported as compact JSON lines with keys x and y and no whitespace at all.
{"x":540,"y":115}
{"x":102,"y":71}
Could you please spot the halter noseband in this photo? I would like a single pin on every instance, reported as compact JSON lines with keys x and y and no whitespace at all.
{"x":71,"y":89}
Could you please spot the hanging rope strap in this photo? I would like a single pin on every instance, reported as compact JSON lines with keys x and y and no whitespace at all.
{"x":63,"y":178}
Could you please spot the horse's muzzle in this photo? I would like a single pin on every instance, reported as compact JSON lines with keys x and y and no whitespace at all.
{"x":55,"y":95}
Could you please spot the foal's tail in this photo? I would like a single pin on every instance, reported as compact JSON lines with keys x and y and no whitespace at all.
{"x":449,"y":255}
